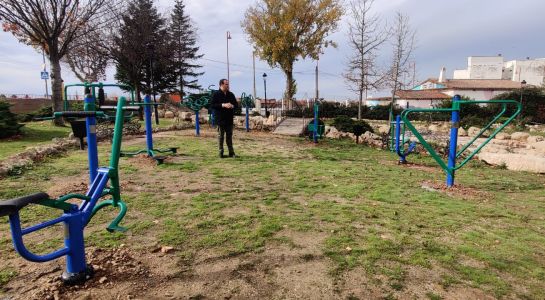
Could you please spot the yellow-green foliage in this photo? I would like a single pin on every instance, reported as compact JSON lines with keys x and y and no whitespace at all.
{"x":284,"y":30}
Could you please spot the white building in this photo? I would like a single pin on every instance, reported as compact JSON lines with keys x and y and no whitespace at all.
{"x":532,"y":71}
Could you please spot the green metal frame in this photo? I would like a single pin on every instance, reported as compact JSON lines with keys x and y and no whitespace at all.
{"x":92,"y":86}
{"x":456,"y":107}
{"x":114,"y":189}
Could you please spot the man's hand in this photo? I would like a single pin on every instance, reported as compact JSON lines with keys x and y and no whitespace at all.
{"x":227,"y":105}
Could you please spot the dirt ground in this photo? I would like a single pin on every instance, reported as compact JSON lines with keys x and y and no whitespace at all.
{"x":143,"y":270}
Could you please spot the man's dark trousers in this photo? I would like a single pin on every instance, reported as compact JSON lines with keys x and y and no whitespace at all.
{"x":227,"y":132}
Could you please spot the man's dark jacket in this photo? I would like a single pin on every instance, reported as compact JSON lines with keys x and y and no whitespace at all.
{"x":224,"y":116}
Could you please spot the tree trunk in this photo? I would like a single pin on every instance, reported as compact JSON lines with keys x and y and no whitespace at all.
{"x":56,"y":85}
{"x":290,"y":88}
{"x":139,"y":100}
{"x":360,"y":102}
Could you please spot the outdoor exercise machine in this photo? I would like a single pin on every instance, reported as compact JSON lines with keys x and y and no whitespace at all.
{"x":316,"y":126}
{"x":450,"y":167}
{"x":152,"y":152}
{"x":75,"y":218}
{"x":247,"y":101}
{"x":97,"y":91}
{"x":196,"y":102}
{"x":401,"y":141}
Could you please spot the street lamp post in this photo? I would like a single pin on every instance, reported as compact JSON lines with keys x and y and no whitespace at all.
{"x":265,"y":86}
{"x":228,"y":38}
{"x":522,"y":84}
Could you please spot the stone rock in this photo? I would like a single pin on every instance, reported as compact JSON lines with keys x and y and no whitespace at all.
{"x":333,"y":133}
{"x":462,"y":132}
{"x":515,"y":161}
{"x":203,"y":119}
{"x":270,"y":121}
{"x":186,"y":115}
{"x":535,"y":139}
{"x":384,"y":129}
{"x":434,"y":128}
{"x":256,"y":123}
{"x":167,"y":249}
{"x":520,"y":136}
{"x":169,"y":115}
{"x":239,"y":121}
{"x":473,"y":131}
{"x":539,"y":147}
{"x":502,"y":136}
{"x":161,"y":113}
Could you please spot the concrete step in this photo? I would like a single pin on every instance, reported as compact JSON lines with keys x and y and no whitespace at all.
{"x":291,"y":126}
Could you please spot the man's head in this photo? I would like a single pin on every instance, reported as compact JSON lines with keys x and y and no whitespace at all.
{"x":224,"y":85}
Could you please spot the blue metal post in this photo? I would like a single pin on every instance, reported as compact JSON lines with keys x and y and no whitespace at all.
{"x":315,"y":122}
{"x":91,"y":127}
{"x":73,"y":240}
{"x":147,"y":118}
{"x":397,"y":138}
{"x":453,"y":140}
{"x":197,"y":129}
{"x":247,"y":120}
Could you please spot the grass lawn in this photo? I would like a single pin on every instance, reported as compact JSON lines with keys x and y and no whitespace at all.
{"x":33,"y":134}
{"x":347,"y":208}
{"x":42,"y":132}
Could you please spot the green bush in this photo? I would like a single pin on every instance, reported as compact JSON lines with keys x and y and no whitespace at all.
{"x":533,"y":103}
{"x":9,"y":125}
{"x":347,"y":124}
{"x":343,"y":123}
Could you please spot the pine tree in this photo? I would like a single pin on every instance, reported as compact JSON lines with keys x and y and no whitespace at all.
{"x":8,"y":121}
{"x":141,"y":49}
{"x":183,"y":40}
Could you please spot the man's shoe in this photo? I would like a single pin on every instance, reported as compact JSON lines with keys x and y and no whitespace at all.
{"x":221,"y":155}
{"x":232,"y":155}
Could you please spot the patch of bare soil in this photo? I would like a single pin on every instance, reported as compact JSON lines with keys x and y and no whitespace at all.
{"x":118,"y":273}
{"x":455,"y":191}
{"x":75,"y":184}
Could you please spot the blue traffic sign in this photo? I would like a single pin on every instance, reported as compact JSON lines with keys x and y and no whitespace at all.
{"x":45,"y":75}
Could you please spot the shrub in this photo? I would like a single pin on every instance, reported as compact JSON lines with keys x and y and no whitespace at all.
{"x":8,"y":121}
{"x":347,"y":124}
{"x":343,"y":123}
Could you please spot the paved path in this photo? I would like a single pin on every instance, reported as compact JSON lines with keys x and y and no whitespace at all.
{"x":292,"y":126}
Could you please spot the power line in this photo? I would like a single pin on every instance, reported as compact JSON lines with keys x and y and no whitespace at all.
{"x":275,"y":70}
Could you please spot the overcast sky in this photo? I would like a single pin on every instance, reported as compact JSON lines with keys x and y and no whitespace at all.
{"x":448,"y":31}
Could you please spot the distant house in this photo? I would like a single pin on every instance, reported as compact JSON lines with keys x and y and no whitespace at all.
{"x":485,"y":78}
{"x":478,"y":89}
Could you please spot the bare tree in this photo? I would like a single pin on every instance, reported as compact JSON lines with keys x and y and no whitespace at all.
{"x":51,"y":25}
{"x":88,"y":60}
{"x":89,"y":56}
{"x":403,"y":47}
{"x":365,"y":36}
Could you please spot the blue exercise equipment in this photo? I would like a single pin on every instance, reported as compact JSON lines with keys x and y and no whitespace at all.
{"x":450,"y":167}
{"x":75,"y":217}
{"x":152,"y":152}
{"x":247,"y":101}
{"x":400,"y":142}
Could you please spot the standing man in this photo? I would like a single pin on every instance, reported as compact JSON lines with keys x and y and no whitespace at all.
{"x":225,"y":103}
